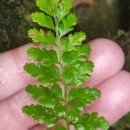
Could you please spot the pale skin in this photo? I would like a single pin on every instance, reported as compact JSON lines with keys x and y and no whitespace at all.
{"x":108,"y":76}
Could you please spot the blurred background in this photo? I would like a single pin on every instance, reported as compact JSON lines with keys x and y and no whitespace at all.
{"x":97,"y":18}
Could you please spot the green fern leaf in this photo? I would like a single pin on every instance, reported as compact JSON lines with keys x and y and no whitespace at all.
{"x":77,"y":76}
{"x":77,"y":57}
{"x":91,"y":122}
{"x":63,"y":9}
{"x":42,"y":37}
{"x":72,"y":41}
{"x":74,"y":115}
{"x":47,"y":97}
{"x":56,"y":89}
{"x":42,"y":55}
{"x":60,"y":127}
{"x":45,"y":5}
{"x":41,"y":114}
{"x":60,"y":110}
{"x":42,"y":20}
{"x":47,"y":75}
{"x":81,"y":97}
{"x":59,"y":69}
{"x":67,"y":24}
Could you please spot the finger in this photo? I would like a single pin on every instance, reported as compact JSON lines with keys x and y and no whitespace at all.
{"x":108,"y":59}
{"x":113,"y":104}
{"x":106,"y":55}
{"x":12,"y":76}
{"x":115,"y":99}
{"x":11,"y":113}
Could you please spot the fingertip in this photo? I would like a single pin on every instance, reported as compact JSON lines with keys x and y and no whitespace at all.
{"x":108,"y":58}
{"x":107,"y":47}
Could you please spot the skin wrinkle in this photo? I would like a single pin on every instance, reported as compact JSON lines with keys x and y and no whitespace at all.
{"x":4,"y":69}
{"x":18,"y":61}
{"x":6,"y":72}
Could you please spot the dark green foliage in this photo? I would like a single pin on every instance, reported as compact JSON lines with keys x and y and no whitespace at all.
{"x":47,"y":75}
{"x":60,"y":127}
{"x":49,"y":57}
{"x":74,"y":115}
{"x":41,"y":114}
{"x":60,"y":110}
{"x":43,"y":92}
{"x":67,"y":24}
{"x":91,"y":122}
{"x":57,"y":70}
{"x":73,"y":40}
{"x":76,"y":76}
{"x":83,"y":96}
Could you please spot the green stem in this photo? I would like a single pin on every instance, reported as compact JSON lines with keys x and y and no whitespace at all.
{"x":63,"y":78}
{"x":58,"y":43}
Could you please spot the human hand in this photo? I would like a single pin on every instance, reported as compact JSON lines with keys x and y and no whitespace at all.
{"x":113,"y":82}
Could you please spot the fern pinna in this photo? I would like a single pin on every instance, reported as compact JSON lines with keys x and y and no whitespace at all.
{"x":61,"y":71}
